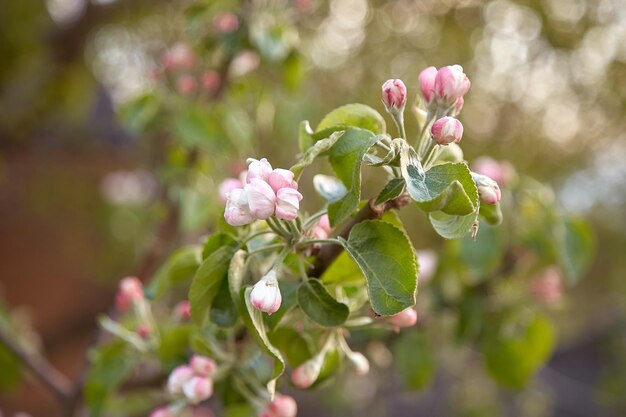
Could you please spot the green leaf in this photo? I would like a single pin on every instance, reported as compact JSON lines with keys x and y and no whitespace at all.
{"x":414,"y":360}
{"x":139,"y":113}
{"x":208,"y":279}
{"x":392,"y":190}
{"x":491,"y":213}
{"x":214,"y":242}
{"x":351,"y":116}
{"x":256,"y":325}
{"x":447,"y":187}
{"x":387,"y":259}
{"x":223,"y":311}
{"x":174,"y":344}
{"x":345,"y":158}
{"x":236,"y":276}
{"x":452,"y":227}
{"x":512,"y":360}
{"x":320,"y":306}
{"x":305,"y":136}
{"x":288,"y":292}
{"x":177,"y":270}
{"x":292,"y":345}
{"x":11,"y":369}
{"x":197,"y":127}
{"x":483,"y":255}
{"x":575,"y":248}
{"x":110,"y":364}
{"x":314,"y":151}
{"x":343,"y":271}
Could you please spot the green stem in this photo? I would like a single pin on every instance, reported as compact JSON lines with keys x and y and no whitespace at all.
{"x":253,"y":235}
{"x":268,"y":248}
{"x":281,"y":256}
{"x":313,"y":218}
{"x":309,"y":242}
{"x":277,"y":227}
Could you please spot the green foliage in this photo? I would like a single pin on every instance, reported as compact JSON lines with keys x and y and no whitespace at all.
{"x":351,"y":116}
{"x":452,"y":226}
{"x":393,"y":189}
{"x":575,"y":248}
{"x":320,"y":306}
{"x":292,"y":345}
{"x":314,"y":151}
{"x":414,"y":360}
{"x":176,"y":271}
{"x":207,"y":282}
{"x":174,"y":344}
{"x":11,"y":369}
{"x":513,"y":359}
{"x":387,"y":259}
{"x":345,"y":157}
{"x":110,"y":364}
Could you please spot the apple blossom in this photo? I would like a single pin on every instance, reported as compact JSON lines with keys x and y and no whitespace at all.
{"x":183,"y":310}
{"x":198,"y":389}
{"x":186,"y":84}
{"x":179,"y":377}
{"x":306,"y":374}
{"x":162,"y":412}
{"x":261,"y":198}
{"x":237,"y":212}
{"x":447,"y":130}
{"x":265,"y":295}
{"x":488,"y":189}
{"x":394,"y":95}
{"x":202,"y":365}
{"x":226,"y":23}
{"x":427,"y":83}
{"x":282,"y":178}
{"x":179,"y":57}
{"x":260,"y":169}
{"x":130,"y":291}
{"x":405,"y":318}
{"x":450,"y":84}
{"x":282,"y":406}
{"x":288,"y":203}
{"x":227,"y":186}
{"x":322,"y":228}
{"x":210,"y":81}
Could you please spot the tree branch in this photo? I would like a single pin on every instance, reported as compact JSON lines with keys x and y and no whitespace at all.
{"x":329,"y":252}
{"x":56,"y":382}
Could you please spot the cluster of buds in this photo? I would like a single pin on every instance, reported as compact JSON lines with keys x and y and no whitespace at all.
{"x":193,"y":381}
{"x":267,"y":192}
{"x":181,"y":63}
{"x":488,"y":189}
{"x":265,"y":295}
{"x":281,"y":406}
{"x":444,"y":87}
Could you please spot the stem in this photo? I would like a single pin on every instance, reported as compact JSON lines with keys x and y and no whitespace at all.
{"x":266,"y":249}
{"x":309,"y":242}
{"x":420,"y":138}
{"x":277,"y":227}
{"x":398,"y":119}
{"x":256,"y":234}
{"x":313,"y":218}
{"x":56,"y":382}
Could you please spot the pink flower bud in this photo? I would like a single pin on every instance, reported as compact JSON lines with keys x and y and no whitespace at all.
{"x":394,"y":95}
{"x":282,"y":406}
{"x":288,"y":203}
{"x":198,"y":389}
{"x":210,"y":81}
{"x":359,"y":362}
{"x":260,"y":169}
{"x":227,"y":186}
{"x":130,"y":291}
{"x":226,"y":23}
{"x":306,"y":374}
{"x":427,"y":83}
{"x":547,"y":287}
{"x":143,"y":331}
{"x":186,"y":84}
{"x":488,"y":189}
{"x":265,"y":295}
{"x":183,"y":310}
{"x":458,"y":106}
{"x":179,"y":377}
{"x":237,"y":211}
{"x":179,"y":57}
{"x":405,"y":318}
{"x":322,"y":229}
{"x":447,"y":130}
{"x":451,"y":83}
{"x":162,"y":412}
{"x":282,"y":178}
{"x":203,"y":366}
{"x":261,"y":198}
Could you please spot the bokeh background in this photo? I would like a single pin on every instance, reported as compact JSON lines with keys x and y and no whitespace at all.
{"x":83,"y":161}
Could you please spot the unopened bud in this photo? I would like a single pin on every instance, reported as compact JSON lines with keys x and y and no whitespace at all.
{"x":488,"y":189}
{"x":282,"y":178}
{"x":322,"y":229}
{"x":282,"y":406}
{"x":359,"y":362}
{"x":261,"y":198}
{"x":198,"y":389}
{"x":394,"y":95}
{"x":226,"y":23}
{"x":447,"y":130}
{"x":405,"y":318}
{"x":237,"y":211}
{"x":162,"y":412}
{"x":287,"y":203}
{"x":186,"y":84}
{"x":130,"y":291}
{"x":183,"y":310}
{"x":450,"y":84}
{"x":210,"y":81}
{"x":178,"y":378}
{"x":427,"y":83}
{"x":260,"y":169}
{"x":227,"y":186}
{"x":143,"y":331}
{"x":203,"y":366}
{"x":265,"y":295}
{"x":306,"y":374}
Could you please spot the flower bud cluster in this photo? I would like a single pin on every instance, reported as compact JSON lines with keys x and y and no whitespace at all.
{"x":265,"y":295}
{"x":444,"y":87}
{"x":267,"y":192}
{"x":281,"y":406}
{"x":181,"y":63}
{"x":194,"y":381}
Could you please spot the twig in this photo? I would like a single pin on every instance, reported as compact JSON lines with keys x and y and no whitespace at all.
{"x":329,"y":252}
{"x":58,"y":384}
